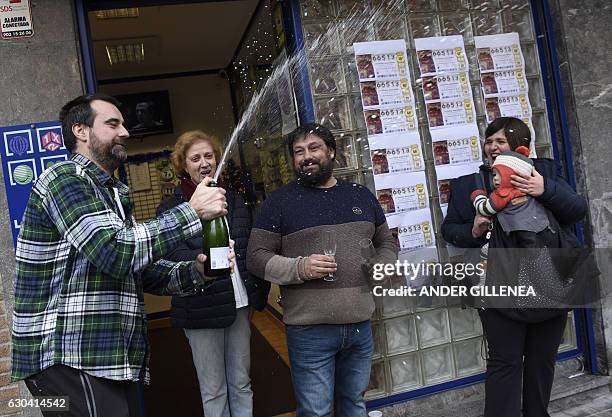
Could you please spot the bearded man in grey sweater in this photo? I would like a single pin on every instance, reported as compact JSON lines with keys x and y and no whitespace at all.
{"x":329,"y":334}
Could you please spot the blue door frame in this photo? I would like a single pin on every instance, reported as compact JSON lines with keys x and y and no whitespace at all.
{"x":556,"y":110}
{"x":89,"y":66}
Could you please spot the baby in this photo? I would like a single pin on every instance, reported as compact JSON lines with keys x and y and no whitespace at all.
{"x":515,"y":210}
{"x":542,"y":255}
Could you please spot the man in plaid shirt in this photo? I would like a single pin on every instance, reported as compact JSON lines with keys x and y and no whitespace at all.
{"x":79,"y":326}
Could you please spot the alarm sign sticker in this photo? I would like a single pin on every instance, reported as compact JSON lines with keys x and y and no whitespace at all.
{"x":16,"y":19}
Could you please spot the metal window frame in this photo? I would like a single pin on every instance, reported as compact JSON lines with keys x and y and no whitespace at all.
{"x":295,"y":43}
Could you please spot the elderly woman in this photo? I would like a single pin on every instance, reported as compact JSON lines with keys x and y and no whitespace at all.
{"x":217,"y":322}
{"x":522,"y":348}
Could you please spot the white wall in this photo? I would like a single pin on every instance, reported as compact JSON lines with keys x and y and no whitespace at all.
{"x":198,"y":102}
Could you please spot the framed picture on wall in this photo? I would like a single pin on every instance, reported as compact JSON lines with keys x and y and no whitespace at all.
{"x":146,"y":113}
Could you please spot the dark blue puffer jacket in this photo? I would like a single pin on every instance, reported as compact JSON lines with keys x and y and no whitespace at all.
{"x":216,"y":306}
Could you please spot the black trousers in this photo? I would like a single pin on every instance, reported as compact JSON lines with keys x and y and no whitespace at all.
{"x":520,"y":352}
{"x":89,"y":396}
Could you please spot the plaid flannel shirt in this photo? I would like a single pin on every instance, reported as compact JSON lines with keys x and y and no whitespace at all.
{"x":82,"y":267}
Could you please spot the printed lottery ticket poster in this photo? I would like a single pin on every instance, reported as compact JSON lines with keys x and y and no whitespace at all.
{"x":453,"y":147}
{"x":402,"y":193}
{"x":389,"y":121}
{"x":499,"y":52}
{"x":26,"y":153}
{"x":502,"y":77}
{"x":445,"y":114}
{"x":446,"y":173}
{"x":508,"y":106}
{"x":381,"y":60}
{"x":446,"y":87}
{"x":445,"y":82}
{"x":441,"y":55}
{"x":386,"y":93}
{"x":415,"y":236}
{"x":395,"y":145}
{"x":390,"y":158}
{"x":510,"y":82}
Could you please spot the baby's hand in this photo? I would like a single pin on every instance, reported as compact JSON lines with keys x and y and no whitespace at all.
{"x":476,"y":193}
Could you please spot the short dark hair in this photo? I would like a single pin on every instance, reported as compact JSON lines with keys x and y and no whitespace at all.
{"x":516,"y":131}
{"x":311,"y":129}
{"x":79,"y":111}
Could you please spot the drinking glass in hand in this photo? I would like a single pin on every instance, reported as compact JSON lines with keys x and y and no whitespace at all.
{"x":368,"y":252}
{"x":329,"y":249}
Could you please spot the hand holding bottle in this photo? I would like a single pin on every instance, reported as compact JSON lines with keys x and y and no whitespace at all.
{"x":208,"y":202}
{"x":216,"y":244}
{"x":201,"y":259}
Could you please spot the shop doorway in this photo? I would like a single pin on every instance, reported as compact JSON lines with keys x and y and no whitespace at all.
{"x":171,"y":64}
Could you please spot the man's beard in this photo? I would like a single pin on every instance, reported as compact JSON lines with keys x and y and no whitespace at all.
{"x":316,"y":177}
{"x":108,"y":156}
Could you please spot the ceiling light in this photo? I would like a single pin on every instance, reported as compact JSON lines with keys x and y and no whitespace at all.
{"x":117,"y":13}
{"x":129,"y":53}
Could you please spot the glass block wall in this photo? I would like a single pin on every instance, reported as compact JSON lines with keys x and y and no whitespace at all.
{"x":430,"y":342}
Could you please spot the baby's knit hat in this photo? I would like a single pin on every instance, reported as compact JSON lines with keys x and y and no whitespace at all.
{"x":517,"y":160}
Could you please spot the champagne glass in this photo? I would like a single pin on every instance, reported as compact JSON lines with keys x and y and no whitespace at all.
{"x":329,"y":249}
{"x":368,"y":252}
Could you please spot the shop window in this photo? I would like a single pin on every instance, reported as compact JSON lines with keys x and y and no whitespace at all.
{"x":418,"y":342}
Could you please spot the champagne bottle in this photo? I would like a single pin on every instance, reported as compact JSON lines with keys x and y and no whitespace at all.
{"x":215,"y":245}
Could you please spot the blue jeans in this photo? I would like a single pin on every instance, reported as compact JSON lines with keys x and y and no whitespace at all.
{"x":330,"y":362}
{"x":222,"y":358}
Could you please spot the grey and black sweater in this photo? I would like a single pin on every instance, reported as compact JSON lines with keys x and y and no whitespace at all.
{"x":289,"y":226}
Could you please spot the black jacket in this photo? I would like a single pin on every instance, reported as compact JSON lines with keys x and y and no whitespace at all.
{"x":216,"y":307}
{"x":567,"y":206}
